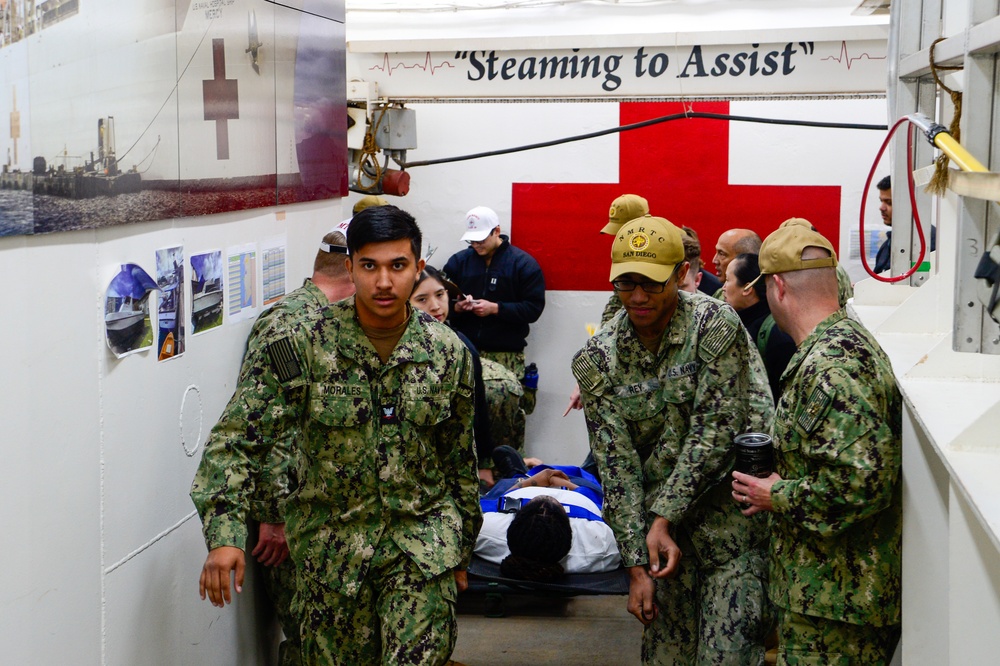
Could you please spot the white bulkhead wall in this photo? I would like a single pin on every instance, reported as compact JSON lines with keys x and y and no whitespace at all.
{"x":103,"y":550}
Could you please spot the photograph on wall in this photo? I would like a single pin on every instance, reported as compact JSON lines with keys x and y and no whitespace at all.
{"x":241,"y":282}
{"x":272,"y":262}
{"x":206,"y":291}
{"x":16,"y":204}
{"x":318,"y":127}
{"x":171,"y":327}
{"x":126,"y":311}
{"x":181,"y":108}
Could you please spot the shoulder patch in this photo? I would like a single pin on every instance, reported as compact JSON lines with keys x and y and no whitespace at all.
{"x":814,"y":410}
{"x":587,"y":374}
{"x":719,"y":337}
{"x":284,"y":361}
{"x":467,"y":378}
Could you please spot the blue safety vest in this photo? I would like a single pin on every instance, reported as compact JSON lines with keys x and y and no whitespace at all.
{"x":507,"y":504}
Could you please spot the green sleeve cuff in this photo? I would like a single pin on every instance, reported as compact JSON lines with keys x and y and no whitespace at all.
{"x":633,"y":554}
{"x":225,"y":530}
{"x":664,"y":509}
{"x":266,"y":511}
{"x":779,"y":499}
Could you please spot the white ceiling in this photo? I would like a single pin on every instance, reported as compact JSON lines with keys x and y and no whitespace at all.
{"x":372,"y":24}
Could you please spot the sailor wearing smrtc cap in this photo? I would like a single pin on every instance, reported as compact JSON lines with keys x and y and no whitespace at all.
{"x":665,"y":388}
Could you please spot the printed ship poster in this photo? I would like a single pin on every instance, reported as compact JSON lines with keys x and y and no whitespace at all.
{"x":180,"y":108}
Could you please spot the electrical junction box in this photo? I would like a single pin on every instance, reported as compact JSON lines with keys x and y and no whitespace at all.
{"x":397,"y":130}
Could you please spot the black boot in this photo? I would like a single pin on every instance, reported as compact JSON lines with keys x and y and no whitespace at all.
{"x":509,"y":462}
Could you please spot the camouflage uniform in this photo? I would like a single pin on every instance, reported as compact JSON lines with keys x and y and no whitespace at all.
{"x":387,"y":504}
{"x":611,"y":308}
{"x":661,"y":429}
{"x":760,"y":417}
{"x":277,"y":478}
{"x":514,"y":362}
{"x":761,"y":414}
{"x":836,"y":544}
{"x":845,"y":290}
{"x":504,"y":392}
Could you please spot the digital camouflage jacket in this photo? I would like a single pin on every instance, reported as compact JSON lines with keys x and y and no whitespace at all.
{"x":661,"y":428}
{"x":277,"y":475}
{"x":385,"y":451}
{"x":837,"y":521}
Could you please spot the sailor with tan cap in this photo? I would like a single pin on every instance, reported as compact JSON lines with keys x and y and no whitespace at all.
{"x":368,"y":201}
{"x":835,"y":495}
{"x":665,"y":390}
{"x":624,"y":209}
{"x":845,"y":290}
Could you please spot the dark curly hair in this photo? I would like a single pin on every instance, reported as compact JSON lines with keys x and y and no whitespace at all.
{"x":538,"y":537}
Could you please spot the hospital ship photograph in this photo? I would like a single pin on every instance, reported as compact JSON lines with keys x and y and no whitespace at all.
{"x":179,"y":109}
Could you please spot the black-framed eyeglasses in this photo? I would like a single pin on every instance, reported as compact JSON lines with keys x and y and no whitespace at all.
{"x":648,"y":286}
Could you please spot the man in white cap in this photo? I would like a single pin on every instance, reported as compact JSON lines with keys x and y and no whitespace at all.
{"x":666,"y":387}
{"x":504,"y":291}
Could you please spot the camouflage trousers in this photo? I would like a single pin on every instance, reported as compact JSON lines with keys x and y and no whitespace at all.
{"x":503,"y":399}
{"x":806,"y":640}
{"x":398,"y":617}
{"x":514,"y":361}
{"x":716,"y":615}
{"x":279,"y":582}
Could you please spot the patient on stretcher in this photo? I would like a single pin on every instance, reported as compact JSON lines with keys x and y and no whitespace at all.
{"x":541,"y":523}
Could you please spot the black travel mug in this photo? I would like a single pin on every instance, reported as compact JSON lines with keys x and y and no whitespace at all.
{"x":754,"y":454}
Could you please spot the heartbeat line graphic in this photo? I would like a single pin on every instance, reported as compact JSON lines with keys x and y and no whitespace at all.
{"x":844,"y":55}
{"x":428,"y":64}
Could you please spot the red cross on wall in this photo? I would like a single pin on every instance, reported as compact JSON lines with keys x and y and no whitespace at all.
{"x":221,"y":99}
{"x":682,"y":169}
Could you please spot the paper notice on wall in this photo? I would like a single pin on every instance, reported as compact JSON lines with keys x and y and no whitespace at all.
{"x":206,"y":291}
{"x":126,"y":311}
{"x":272,"y":255}
{"x":242,"y":300}
{"x":171,"y":325}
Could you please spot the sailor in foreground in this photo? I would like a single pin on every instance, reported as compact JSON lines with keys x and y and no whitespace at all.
{"x":382,"y":526}
{"x":665,"y":387}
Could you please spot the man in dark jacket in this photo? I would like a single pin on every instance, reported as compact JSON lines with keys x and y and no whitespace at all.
{"x":883,"y":260}
{"x":504,"y":291}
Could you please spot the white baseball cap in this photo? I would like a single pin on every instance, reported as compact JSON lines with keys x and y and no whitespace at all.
{"x":479,"y":223}
{"x":342,"y":226}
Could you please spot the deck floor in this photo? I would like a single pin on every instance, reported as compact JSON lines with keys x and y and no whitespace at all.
{"x":597,"y":631}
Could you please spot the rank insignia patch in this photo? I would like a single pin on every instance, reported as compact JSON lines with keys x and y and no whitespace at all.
{"x":817,"y":404}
